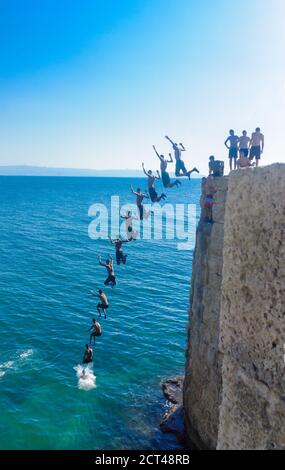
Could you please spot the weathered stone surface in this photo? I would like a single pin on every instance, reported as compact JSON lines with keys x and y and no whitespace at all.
{"x":203,"y":369}
{"x":252,"y":322}
{"x":234,"y":389}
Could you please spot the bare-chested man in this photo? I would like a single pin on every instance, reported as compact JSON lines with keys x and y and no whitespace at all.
{"x":95,"y":330}
{"x":244,"y":162}
{"x":140,"y":197}
{"x":151,"y":189}
{"x":244,"y":142}
{"x":118,"y":242}
{"x":232,"y":145}
{"x":163,"y":167}
{"x":256,"y":145}
{"x":180,"y":169}
{"x":109,"y":265}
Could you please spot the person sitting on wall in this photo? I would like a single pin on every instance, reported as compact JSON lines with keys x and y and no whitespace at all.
{"x":216,"y":167}
{"x":244,"y":162}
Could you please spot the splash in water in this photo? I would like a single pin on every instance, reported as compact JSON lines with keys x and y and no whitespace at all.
{"x":14,"y":364}
{"x":6,"y":365}
{"x":86,"y":378}
{"x":27,"y":353}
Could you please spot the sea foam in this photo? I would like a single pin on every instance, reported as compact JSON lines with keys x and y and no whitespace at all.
{"x":87,"y":381}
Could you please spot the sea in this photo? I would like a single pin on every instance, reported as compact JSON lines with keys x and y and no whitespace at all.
{"x":48,"y":266}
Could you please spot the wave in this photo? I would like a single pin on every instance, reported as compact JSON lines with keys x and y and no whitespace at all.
{"x":86,"y":377}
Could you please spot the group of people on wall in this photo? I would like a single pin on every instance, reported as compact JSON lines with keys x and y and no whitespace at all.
{"x":243,"y":151}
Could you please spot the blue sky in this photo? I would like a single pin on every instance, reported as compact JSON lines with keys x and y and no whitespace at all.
{"x":93,"y":84}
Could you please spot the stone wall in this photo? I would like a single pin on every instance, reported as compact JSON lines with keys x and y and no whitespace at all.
{"x":252,"y":321}
{"x":234,"y":391}
{"x":202,"y":385}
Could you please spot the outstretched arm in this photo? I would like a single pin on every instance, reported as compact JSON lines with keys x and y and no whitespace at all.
{"x":158,"y":176}
{"x":134,"y":192}
{"x":144,"y":170}
{"x":100,"y":262}
{"x":156,"y":152}
{"x":171,"y":159}
{"x":182,"y":147}
{"x":112,"y":241}
{"x":171,"y":141}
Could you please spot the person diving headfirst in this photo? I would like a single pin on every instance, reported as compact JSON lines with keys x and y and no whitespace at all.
{"x":151,"y":189}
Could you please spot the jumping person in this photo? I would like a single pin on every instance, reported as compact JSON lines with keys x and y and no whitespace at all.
{"x":233,"y":140}
{"x":131,"y":234}
{"x":109,"y":265}
{"x":164,"y":174}
{"x":180,"y":166}
{"x":256,"y":145}
{"x":103,"y":304}
{"x":244,"y":142}
{"x":151,"y":189}
{"x":95,"y":329}
{"x":139,"y":200}
{"x":88,"y":355}
{"x":120,"y":257}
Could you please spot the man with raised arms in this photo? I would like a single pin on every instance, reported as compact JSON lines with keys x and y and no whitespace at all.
{"x":151,"y":189}
{"x":140,"y":197}
{"x":109,"y":265}
{"x":180,"y":169}
{"x":164,"y":174}
{"x":118,"y":242}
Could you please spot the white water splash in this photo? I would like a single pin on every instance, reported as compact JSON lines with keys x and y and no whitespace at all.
{"x":27,"y":353}
{"x":86,"y":377}
{"x":6,"y":365}
{"x":14,"y":364}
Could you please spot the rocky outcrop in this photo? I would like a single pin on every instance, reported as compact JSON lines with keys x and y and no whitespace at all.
{"x":173,"y":420}
{"x":234,"y":392}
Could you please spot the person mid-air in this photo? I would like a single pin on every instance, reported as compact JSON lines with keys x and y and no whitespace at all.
{"x":131,"y":233}
{"x":180,"y":169}
{"x":164,"y":174}
{"x":151,"y":189}
{"x":140,"y":197}
{"x":109,"y":265}
{"x":118,"y":242}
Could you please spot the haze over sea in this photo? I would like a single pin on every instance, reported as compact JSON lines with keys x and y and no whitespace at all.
{"x":48,"y":264}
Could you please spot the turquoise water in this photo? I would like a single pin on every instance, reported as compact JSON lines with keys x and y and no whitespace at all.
{"x":48,"y":264}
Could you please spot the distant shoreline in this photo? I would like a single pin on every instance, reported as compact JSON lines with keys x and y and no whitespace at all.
{"x":72,"y":172}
